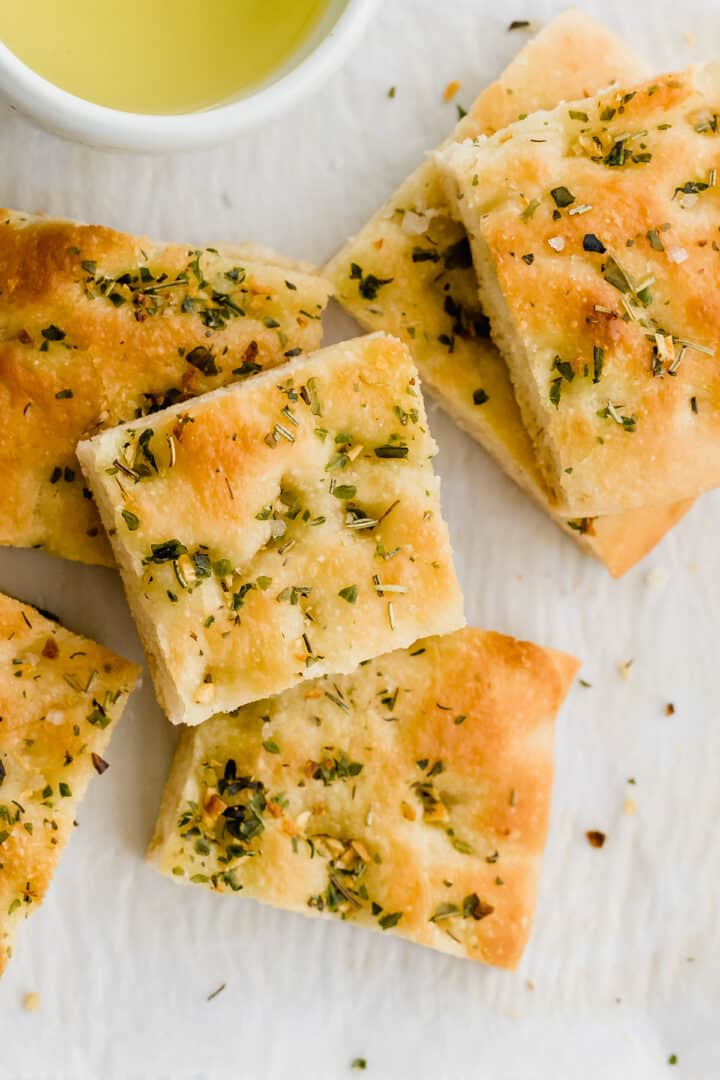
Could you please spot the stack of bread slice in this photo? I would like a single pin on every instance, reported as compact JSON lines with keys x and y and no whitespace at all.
{"x":421,"y":270}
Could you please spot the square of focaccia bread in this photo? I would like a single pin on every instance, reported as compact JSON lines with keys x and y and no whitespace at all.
{"x":281,"y":529}
{"x":428,"y":292}
{"x":60,"y":695}
{"x":97,"y":327}
{"x":593,"y":231}
{"x":411,"y":796}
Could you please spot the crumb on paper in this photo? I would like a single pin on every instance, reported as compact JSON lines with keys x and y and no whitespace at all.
{"x":451,"y":90}
{"x":595,"y":838}
{"x":669,"y":709}
{"x":31,"y":1002}
{"x":624,"y":668}
{"x":688,"y":38}
{"x":630,"y":806}
{"x":530,"y":984}
{"x":657,"y":578}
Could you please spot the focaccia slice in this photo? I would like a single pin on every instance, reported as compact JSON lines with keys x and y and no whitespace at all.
{"x":60,"y":695}
{"x":281,"y":529}
{"x":431,"y":301}
{"x":411,"y":796}
{"x":98,"y":327}
{"x":593,"y":231}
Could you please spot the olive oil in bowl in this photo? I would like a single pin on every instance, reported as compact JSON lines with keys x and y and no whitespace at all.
{"x":160,"y":56}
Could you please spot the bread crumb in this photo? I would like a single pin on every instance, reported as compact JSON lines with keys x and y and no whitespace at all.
{"x":688,"y":38}
{"x":557,"y":243}
{"x":630,"y":806}
{"x":595,"y":838}
{"x":624,"y":668}
{"x":31,"y":1002}
{"x":451,"y":90}
{"x":530,"y":984}
{"x":669,"y":709}
{"x":657,"y":578}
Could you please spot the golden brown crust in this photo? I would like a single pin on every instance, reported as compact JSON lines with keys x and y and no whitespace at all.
{"x":238,"y":520}
{"x":623,"y":412}
{"x":622,"y":540}
{"x":59,"y":697}
{"x":413,"y":795}
{"x":81,"y":348}
{"x":458,"y":362}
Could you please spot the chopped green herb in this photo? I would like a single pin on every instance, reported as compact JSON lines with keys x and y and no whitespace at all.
{"x":131,"y":520}
{"x":529,"y":210}
{"x":562,"y":197}
{"x":166,"y":552}
{"x":615,"y":275}
{"x":592,"y":243}
{"x":202,"y":358}
{"x":368,"y":284}
{"x":655,"y":242}
{"x":565,"y":368}
{"x":393,"y":451}
{"x":349,"y":593}
{"x":341,"y":767}
{"x":53,"y":333}
{"x":475,"y":908}
{"x":389,"y":920}
{"x":444,"y":911}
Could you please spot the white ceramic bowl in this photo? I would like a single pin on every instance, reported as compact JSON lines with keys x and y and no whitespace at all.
{"x":63,"y":113}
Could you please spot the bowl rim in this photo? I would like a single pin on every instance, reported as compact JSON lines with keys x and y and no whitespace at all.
{"x":66,"y":114}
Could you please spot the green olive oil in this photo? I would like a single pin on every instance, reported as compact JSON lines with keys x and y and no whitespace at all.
{"x":158,"y":56}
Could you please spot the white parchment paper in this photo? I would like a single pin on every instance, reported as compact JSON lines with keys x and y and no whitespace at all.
{"x":623,"y":968}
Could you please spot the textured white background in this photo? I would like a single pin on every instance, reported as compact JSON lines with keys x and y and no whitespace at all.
{"x":623,"y":967}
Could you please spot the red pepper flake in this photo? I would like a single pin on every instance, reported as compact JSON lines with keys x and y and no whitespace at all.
{"x":100,"y":764}
{"x":595,"y":838}
{"x":50,"y":649}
